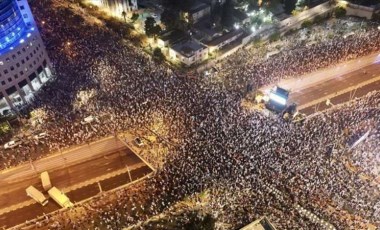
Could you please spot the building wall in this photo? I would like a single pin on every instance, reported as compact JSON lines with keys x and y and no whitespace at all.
{"x":24,"y":64}
{"x":195,"y":17}
{"x":359,"y":11}
{"x":199,"y":56}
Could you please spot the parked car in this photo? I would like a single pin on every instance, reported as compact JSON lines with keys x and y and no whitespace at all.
{"x":40,"y":136}
{"x":12,"y":144}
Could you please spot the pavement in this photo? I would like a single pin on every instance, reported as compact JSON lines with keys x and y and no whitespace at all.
{"x":339,"y":84}
{"x":81,"y":173}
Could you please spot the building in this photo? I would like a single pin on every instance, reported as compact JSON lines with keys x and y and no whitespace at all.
{"x":196,"y":12}
{"x":116,"y":7}
{"x":188,"y":52}
{"x":172,"y":37}
{"x":24,"y":63}
{"x":224,"y":40}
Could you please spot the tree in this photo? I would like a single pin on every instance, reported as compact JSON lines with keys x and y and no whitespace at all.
{"x":340,"y":12}
{"x":290,"y":5}
{"x":300,"y":4}
{"x":186,"y":4}
{"x":158,"y":55}
{"x":151,"y":29}
{"x":227,"y":15}
{"x":134,"y":17}
{"x":170,"y":18}
{"x":124,"y":14}
{"x":306,"y":23}
{"x":216,"y":14}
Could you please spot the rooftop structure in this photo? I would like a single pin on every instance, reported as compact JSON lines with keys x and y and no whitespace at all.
{"x":171,"y":37}
{"x":189,"y":52}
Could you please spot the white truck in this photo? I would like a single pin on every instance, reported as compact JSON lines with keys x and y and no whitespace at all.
{"x":45,"y":180}
{"x":36,"y":195}
{"x":60,"y":198}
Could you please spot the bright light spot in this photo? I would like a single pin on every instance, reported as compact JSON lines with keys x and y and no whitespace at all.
{"x":378,"y":27}
{"x":237,"y":26}
{"x":277,"y":99}
{"x":43,"y":22}
{"x":22,"y":41}
{"x":68,"y":43}
{"x":28,"y":35}
{"x":32,"y":29}
{"x":11,"y":48}
{"x":253,"y":28}
{"x":1,"y":63}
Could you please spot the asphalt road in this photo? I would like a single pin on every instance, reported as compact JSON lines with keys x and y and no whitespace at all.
{"x":14,"y":193}
{"x":335,"y":85}
{"x":35,"y":210}
{"x":342,"y":98}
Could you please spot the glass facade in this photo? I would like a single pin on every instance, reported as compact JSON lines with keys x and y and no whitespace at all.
{"x":12,"y":25}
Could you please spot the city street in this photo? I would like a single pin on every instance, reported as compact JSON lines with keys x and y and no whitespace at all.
{"x":338,"y":84}
{"x":79,"y":181}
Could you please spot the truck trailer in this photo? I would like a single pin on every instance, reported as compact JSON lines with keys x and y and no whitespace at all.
{"x":60,"y":198}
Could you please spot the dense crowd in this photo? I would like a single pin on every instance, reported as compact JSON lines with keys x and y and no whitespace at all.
{"x":240,"y":157}
{"x":298,"y":58}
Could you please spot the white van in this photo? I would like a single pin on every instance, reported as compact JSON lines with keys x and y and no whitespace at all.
{"x":45,"y":180}
{"x":36,"y":195}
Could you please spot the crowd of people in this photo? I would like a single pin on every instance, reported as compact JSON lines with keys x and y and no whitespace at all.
{"x":238,"y":156}
{"x":298,"y":57}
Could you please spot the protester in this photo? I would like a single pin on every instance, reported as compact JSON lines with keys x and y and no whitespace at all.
{"x":252,"y":165}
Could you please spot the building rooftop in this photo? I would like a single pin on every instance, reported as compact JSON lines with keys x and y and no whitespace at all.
{"x":205,"y":27}
{"x":188,"y":48}
{"x":225,"y":37}
{"x":173,"y":36}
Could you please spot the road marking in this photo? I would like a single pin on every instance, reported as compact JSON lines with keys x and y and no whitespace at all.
{"x":348,"y":89}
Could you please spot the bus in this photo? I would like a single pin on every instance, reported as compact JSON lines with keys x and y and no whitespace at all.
{"x":36,"y":195}
{"x":45,"y":179}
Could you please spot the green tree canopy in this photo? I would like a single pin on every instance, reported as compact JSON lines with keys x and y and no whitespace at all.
{"x":227,"y":14}
{"x":170,"y":18}
{"x":158,"y":55}
{"x":151,"y":29}
{"x":134,"y":17}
